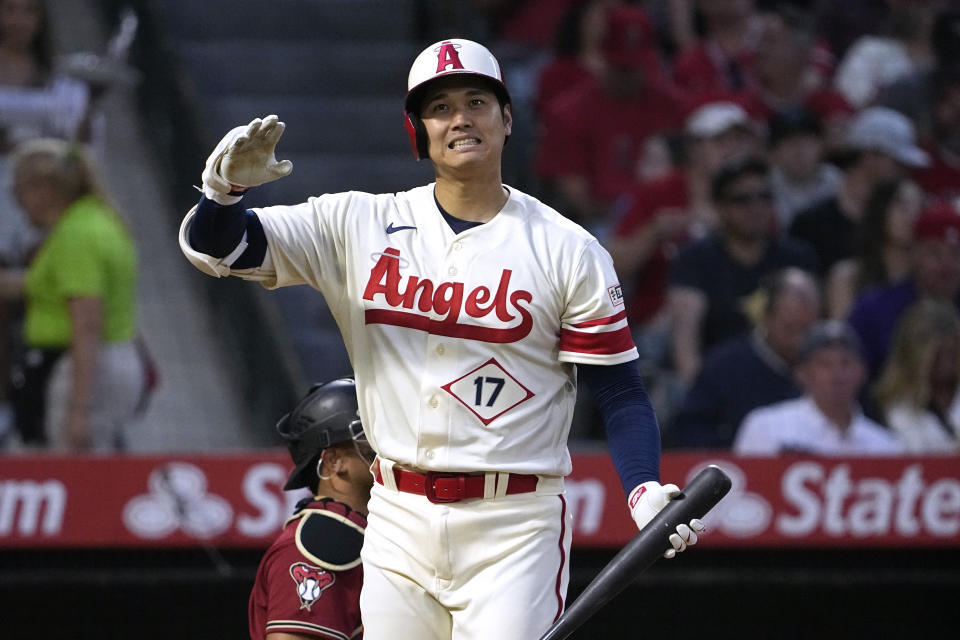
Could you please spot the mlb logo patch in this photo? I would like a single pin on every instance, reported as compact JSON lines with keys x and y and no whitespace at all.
{"x":616,"y":295}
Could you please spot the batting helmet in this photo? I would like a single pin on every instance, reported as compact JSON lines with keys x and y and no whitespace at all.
{"x":327,"y":415}
{"x":441,"y":59}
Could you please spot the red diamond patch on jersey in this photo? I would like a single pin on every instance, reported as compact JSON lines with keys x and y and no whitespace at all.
{"x":488,"y":391}
{"x":311,"y":582}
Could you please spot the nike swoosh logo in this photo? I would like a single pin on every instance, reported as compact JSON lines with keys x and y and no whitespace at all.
{"x":392,"y":229}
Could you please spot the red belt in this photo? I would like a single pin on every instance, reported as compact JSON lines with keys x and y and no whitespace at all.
{"x":441,"y":487}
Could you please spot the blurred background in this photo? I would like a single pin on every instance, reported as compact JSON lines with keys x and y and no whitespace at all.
{"x":755,"y":168}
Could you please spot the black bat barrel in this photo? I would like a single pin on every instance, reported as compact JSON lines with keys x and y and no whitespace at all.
{"x":698,"y":497}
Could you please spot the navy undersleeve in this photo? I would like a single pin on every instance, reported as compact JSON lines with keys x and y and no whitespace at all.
{"x":217,"y":230}
{"x":633,"y":435}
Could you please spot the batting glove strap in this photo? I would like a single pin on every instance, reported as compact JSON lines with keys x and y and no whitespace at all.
{"x":647,"y":500}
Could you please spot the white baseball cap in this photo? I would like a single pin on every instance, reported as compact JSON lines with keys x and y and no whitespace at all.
{"x":715,"y":118}
{"x":450,"y":57}
{"x":887,"y":131}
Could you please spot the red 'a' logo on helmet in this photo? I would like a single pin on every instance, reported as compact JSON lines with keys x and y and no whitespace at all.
{"x":448,"y":57}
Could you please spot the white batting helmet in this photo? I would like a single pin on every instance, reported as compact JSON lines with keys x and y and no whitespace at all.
{"x":447,"y":57}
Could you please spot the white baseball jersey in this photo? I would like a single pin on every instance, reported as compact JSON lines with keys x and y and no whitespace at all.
{"x":463,"y":345}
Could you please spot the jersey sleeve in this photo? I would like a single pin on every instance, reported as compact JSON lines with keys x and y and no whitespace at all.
{"x":303,"y":598}
{"x":594,"y":327}
{"x":303,"y":241}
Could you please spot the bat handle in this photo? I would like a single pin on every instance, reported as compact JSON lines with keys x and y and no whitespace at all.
{"x":699,"y":496}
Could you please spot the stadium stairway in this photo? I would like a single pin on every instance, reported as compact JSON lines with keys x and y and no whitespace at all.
{"x":334,"y":72}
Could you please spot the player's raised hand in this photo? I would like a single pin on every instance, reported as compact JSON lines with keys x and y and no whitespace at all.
{"x":245,"y":157}
{"x":648,"y":499}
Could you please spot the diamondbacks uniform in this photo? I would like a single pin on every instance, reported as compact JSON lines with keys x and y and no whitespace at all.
{"x":463,"y":346}
{"x":309,"y":579}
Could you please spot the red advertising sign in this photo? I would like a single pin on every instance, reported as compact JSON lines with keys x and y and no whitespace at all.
{"x":237,"y":501}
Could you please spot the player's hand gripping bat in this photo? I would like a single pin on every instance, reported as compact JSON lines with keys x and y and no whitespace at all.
{"x":697,"y":498}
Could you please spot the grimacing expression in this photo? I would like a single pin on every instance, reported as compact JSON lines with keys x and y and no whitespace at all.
{"x":464,"y":122}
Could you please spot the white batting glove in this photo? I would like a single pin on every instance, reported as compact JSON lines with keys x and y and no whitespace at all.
{"x":245,"y":157}
{"x":648,"y":499}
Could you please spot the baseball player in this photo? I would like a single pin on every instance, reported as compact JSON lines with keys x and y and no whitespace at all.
{"x":308,"y":583}
{"x":468,"y":309}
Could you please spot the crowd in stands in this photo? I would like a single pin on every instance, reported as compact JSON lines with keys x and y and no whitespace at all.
{"x":778,"y":183}
{"x":73,"y":373}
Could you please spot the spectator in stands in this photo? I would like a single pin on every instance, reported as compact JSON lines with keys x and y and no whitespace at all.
{"x":787,"y":76}
{"x":883,"y":245}
{"x":664,"y":214}
{"x":721,"y":62}
{"x":919,"y":389}
{"x":841,"y":23}
{"x":25,"y":71}
{"x":591,"y":141}
{"x":875,"y":60}
{"x":530,"y":22}
{"x":826,"y":419}
{"x":880,"y":145}
{"x":751,"y":370}
{"x":577,"y":56}
{"x":81,"y":376}
{"x":798,"y":173}
{"x":34,"y":100}
{"x":942,"y":178}
{"x":913,"y":94}
{"x":711,"y":277}
{"x":934,"y":273}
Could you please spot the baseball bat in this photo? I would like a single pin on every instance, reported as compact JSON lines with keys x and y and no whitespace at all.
{"x":699,"y":496}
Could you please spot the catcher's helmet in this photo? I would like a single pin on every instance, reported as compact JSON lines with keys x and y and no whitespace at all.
{"x":327,"y":415}
{"x":447,"y":57}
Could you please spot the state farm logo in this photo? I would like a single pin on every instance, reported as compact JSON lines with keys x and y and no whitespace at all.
{"x":177,"y":499}
{"x":740,"y":514}
{"x":436,"y":308}
{"x":816,"y":498}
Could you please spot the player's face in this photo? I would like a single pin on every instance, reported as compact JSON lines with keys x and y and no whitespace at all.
{"x":464,"y":122}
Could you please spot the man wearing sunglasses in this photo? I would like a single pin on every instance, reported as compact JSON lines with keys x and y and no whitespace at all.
{"x":711,"y":278}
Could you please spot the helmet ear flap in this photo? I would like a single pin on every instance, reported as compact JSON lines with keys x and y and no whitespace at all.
{"x":418,"y":135}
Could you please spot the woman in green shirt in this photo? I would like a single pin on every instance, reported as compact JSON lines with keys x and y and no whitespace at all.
{"x":81,"y":377}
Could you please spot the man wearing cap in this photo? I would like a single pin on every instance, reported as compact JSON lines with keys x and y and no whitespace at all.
{"x":935,"y":273}
{"x":826,"y":420}
{"x":469,"y":309}
{"x":590,"y":144}
{"x":880,"y":145}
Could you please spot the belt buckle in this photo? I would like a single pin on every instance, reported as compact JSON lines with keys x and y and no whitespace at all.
{"x":430,"y":490}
